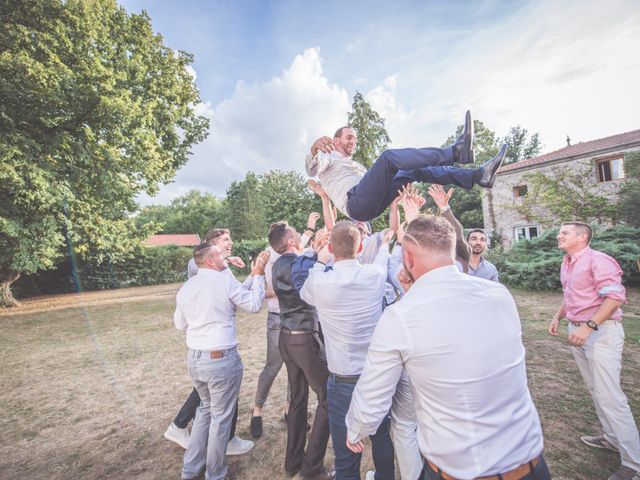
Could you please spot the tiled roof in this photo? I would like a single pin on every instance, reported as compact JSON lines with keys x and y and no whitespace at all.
{"x":577,"y":150}
{"x":181,"y":240}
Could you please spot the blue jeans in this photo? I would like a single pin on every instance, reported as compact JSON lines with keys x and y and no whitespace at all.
{"x":347,"y":463}
{"x":398,"y":167}
{"x":540,"y":472}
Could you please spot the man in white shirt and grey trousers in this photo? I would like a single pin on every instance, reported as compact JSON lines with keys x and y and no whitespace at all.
{"x":460,"y":340}
{"x":205,"y":308}
{"x":349,"y":299}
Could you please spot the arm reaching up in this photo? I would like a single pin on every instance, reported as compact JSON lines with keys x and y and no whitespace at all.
{"x":463,"y":250}
{"x":327,"y":210}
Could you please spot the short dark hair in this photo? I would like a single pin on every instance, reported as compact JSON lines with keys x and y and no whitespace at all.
{"x":432,"y":233}
{"x":338,"y":133}
{"x":345,"y":239}
{"x":213,"y":235}
{"x":582,"y":228}
{"x":278,"y":236}
{"x":476,"y":230}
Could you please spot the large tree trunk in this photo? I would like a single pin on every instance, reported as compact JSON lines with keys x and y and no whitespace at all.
{"x":7,"y":277}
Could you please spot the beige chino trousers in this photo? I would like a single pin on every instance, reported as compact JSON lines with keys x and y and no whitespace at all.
{"x":600,"y":362}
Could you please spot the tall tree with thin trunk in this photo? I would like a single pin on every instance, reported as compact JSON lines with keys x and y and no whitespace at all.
{"x":369,"y":126}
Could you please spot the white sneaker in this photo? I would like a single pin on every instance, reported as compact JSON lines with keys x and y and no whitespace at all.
{"x":238,"y":446}
{"x":177,"y":435}
{"x":371,"y":475}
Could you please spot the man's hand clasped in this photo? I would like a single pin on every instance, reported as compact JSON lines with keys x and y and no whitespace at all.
{"x":257,"y":265}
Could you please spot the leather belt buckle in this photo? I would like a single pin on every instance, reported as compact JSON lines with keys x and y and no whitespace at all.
{"x":515,"y":474}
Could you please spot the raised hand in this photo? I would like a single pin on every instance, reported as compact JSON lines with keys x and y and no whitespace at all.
{"x":439,"y":195}
{"x":312,"y":220}
{"x":411,"y":208}
{"x":324,"y":144}
{"x":321,"y":239}
{"x":257,"y":266}
{"x":316,"y":188}
{"x":236,"y":262}
{"x":405,"y":279}
{"x":388,"y":236}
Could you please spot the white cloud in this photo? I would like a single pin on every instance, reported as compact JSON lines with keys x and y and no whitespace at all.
{"x":263,"y":126}
{"x":556,"y":68}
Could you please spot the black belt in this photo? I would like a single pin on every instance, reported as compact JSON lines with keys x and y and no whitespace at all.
{"x":350,"y":379}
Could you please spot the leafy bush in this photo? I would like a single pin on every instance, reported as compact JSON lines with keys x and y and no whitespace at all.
{"x":154,"y":266}
{"x":535,"y":264}
{"x":247,"y":250}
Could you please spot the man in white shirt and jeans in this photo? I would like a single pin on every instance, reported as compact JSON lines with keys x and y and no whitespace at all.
{"x":205,"y":308}
{"x":349,"y":300}
{"x":460,"y":340}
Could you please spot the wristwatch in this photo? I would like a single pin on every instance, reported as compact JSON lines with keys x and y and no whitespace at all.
{"x":592,"y":325}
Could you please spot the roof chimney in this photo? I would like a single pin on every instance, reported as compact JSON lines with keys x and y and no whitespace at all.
{"x":568,"y":141}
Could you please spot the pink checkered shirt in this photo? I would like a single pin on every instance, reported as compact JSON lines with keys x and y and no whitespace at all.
{"x":588,"y":277}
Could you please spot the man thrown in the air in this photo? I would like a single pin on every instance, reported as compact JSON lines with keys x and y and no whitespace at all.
{"x":363,"y":194}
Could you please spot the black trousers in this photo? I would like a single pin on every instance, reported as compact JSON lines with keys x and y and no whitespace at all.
{"x":306,"y":367}
{"x":188,"y":412}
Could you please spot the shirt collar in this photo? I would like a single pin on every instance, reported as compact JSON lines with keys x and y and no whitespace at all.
{"x":209,"y":271}
{"x":438,"y":274}
{"x":571,"y":259}
{"x":344,"y":264}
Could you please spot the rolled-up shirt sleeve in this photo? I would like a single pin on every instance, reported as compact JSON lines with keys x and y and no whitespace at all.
{"x":374,"y":391}
{"x":249,"y":295}
{"x":607,"y":276}
{"x":315,"y":165}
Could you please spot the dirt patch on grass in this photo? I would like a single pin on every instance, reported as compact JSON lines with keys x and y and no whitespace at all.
{"x":91,"y":381}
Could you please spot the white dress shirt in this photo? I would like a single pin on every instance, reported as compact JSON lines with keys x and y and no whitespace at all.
{"x":348,"y":299}
{"x":272,"y":303}
{"x":192,"y":268}
{"x":337,"y":174}
{"x":459,"y":338}
{"x":206,"y":307}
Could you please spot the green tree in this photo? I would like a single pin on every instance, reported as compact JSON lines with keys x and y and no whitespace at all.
{"x":286,"y":196}
{"x":630,"y":190}
{"x":94,"y":109}
{"x":520,"y":144}
{"x":193,"y":212}
{"x":245,"y":211}
{"x":369,"y":126}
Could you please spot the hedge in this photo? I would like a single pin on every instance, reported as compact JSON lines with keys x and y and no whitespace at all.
{"x":154,"y":266}
{"x":535,"y":264}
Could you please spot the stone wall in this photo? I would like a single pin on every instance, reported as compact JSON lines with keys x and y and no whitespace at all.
{"x":498,"y":204}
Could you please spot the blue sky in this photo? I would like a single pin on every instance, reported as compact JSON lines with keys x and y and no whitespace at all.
{"x":275,"y":75}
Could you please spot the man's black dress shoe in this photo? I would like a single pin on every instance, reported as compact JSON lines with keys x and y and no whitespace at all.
{"x":489,"y":169}
{"x":463,"y":148}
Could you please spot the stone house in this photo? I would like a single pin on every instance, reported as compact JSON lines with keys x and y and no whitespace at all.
{"x":602,"y":161}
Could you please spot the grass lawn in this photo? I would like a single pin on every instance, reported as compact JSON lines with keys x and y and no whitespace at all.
{"x":90,"y":382}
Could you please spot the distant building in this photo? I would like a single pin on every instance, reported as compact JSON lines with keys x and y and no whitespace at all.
{"x":180,"y":240}
{"x":603,"y":159}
